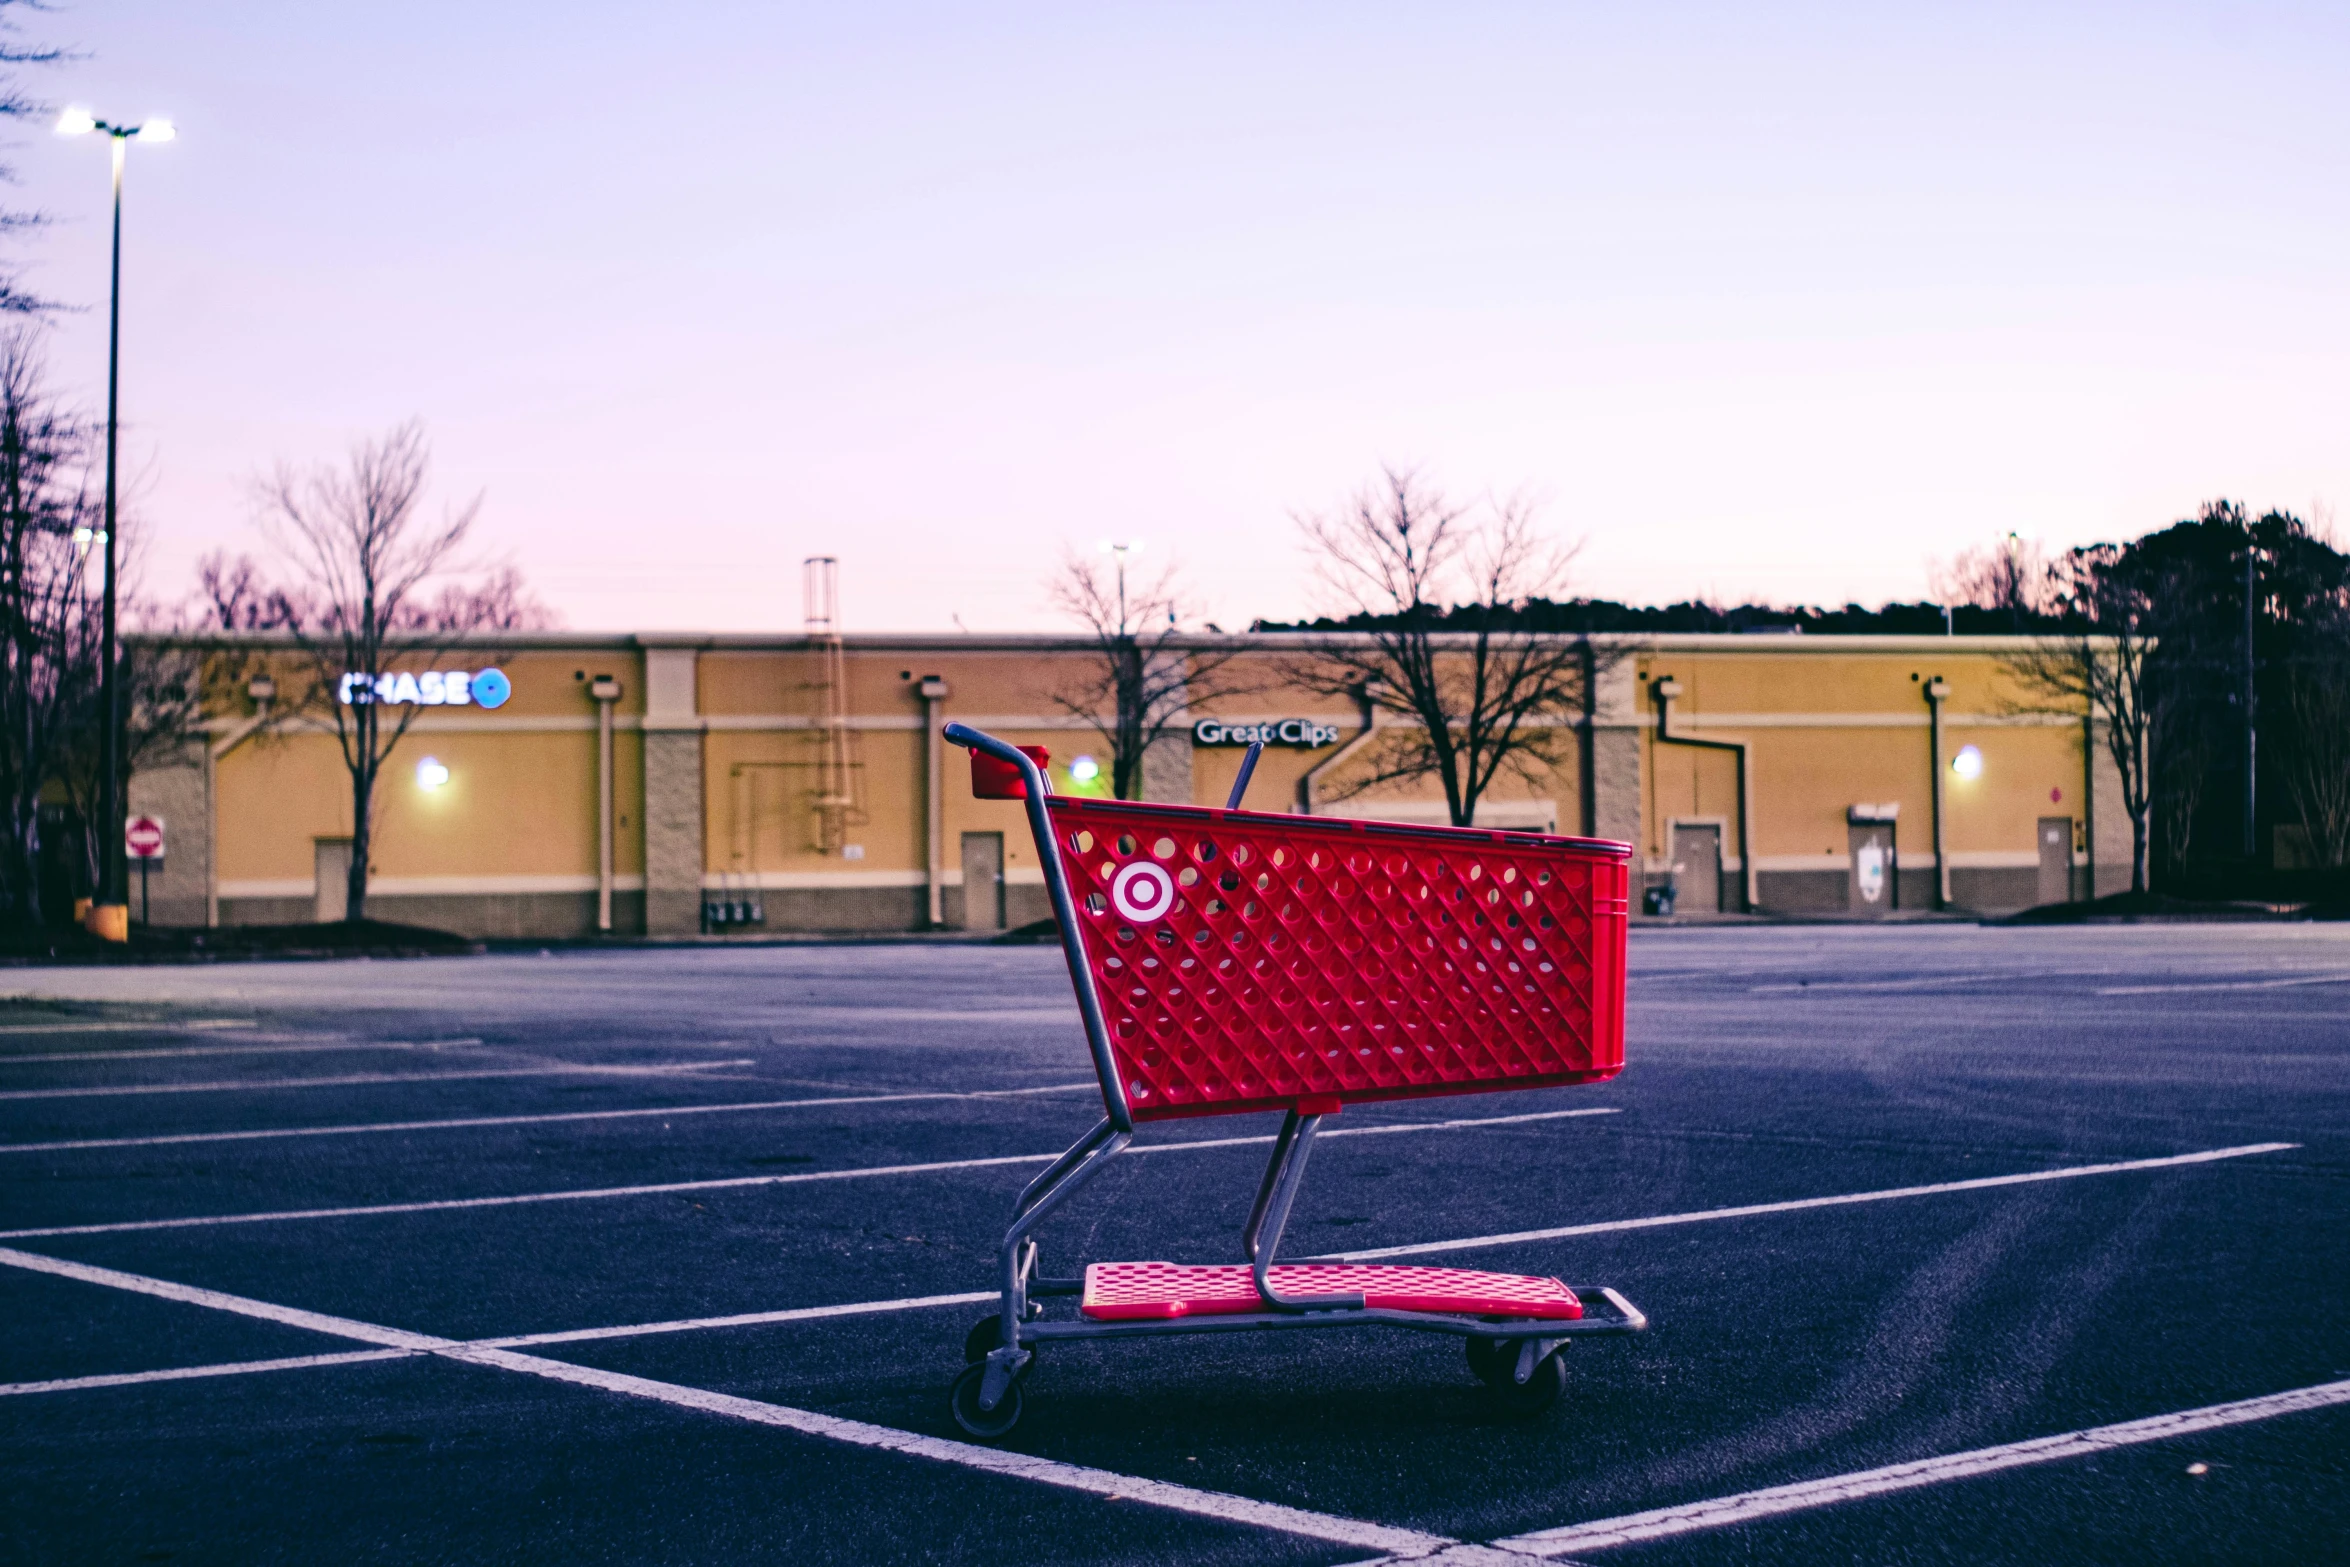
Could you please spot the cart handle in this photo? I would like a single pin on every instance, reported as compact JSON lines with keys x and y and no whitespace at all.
{"x":1056,"y":881}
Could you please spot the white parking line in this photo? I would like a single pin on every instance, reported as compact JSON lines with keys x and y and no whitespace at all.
{"x":353,"y":1046}
{"x":736,"y":1182}
{"x":192,"y":1026}
{"x":520,"y":1120}
{"x":233,"y":1368}
{"x":1748,"y":1506}
{"x":1099,"y":1482}
{"x":1929,"y":982}
{"x":747,"y":1319}
{"x":925,"y":1302}
{"x":1797,"y":1205}
{"x":352,"y":1079}
{"x":2226,"y":984}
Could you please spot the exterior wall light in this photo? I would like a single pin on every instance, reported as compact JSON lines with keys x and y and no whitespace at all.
{"x":1084,"y":769}
{"x":431,"y":774}
{"x":1968,"y":763}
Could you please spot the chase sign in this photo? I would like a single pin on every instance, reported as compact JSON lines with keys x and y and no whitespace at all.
{"x":1304,"y":733}
{"x":432,"y":688}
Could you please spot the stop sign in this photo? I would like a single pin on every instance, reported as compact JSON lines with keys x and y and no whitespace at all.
{"x":142,"y":838}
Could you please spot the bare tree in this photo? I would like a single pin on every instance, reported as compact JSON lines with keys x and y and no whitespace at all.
{"x":18,"y":104}
{"x":1435,"y":592}
{"x":377,"y":586}
{"x":1143,"y":681}
{"x":51,"y":583}
{"x":49,"y":659}
{"x":2010,"y":574}
{"x":2105,"y":664}
{"x":2181,"y":752}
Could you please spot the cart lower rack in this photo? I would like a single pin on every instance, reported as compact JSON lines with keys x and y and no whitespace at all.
{"x":1228,"y":961}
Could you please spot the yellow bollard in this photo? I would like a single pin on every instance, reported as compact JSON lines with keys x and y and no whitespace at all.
{"x":110,"y":921}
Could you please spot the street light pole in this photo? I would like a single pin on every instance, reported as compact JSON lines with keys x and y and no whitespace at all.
{"x":110,"y":913}
{"x":1121,"y":548}
{"x":112,"y":891}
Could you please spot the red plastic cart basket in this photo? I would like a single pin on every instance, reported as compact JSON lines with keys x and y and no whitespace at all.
{"x":1228,"y":961}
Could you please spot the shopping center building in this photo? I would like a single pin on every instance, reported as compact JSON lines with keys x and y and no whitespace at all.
{"x":780,"y":783}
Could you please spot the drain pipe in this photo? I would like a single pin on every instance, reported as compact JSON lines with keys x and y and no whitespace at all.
{"x":1309,"y":799}
{"x":1669,"y":688}
{"x":606,"y":690}
{"x":263,"y":691}
{"x":933,"y":692}
{"x":1937,"y":692}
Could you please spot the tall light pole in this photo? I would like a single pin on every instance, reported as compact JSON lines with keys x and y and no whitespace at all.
{"x":110,"y":913}
{"x":1121,"y":548}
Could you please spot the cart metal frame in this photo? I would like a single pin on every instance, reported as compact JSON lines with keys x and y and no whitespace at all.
{"x":1017,"y":1324}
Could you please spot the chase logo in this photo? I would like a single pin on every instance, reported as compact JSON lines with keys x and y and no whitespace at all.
{"x":433,"y":688}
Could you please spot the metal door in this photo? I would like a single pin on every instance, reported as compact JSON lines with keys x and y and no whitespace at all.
{"x":2056,"y":859}
{"x":983,"y":881}
{"x":332,"y":896}
{"x":1697,"y":869}
{"x":1872,"y":869}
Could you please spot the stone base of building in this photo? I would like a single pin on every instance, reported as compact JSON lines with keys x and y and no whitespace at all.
{"x":515,"y":915}
{"x":2000,"y":890}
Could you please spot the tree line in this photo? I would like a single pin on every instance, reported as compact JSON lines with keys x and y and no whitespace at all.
{"x":2213,"y":656}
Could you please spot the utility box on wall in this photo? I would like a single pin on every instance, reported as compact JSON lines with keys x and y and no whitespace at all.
{"x":1875,"y":875}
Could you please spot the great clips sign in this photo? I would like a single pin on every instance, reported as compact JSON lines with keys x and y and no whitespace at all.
{"x":1302,"y":732}
{"x":433,"y":688}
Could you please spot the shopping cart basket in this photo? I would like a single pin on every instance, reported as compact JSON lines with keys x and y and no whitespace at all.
{"x":1228,"y":961}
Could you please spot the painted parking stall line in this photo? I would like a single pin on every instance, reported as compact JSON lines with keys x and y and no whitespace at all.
{"x":358,"y":1079}
{"x":233,"y":1368}
{"x":2193,"y":986}
{"x":1776,"y":1501}
{"x":1218,"y":1505}
{"x":1417,"y":1248}
{"x":1801,"y":1204}
{"x":117,"y":1026}
{"x":1399,"y":1544}
{"x":331,"y":1045}
{"x":735,"y":1182}
{"x":976,"y":1297}
{"x":361,"y":1128}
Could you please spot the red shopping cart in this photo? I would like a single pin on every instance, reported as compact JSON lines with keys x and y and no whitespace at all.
{"x":1228,"y":961}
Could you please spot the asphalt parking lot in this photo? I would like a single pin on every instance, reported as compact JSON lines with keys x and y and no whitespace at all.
{"x":1958,"y":1244}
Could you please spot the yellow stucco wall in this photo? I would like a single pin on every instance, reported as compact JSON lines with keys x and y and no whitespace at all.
{"x":1870,"y":745}
{"x":1827,"y":727}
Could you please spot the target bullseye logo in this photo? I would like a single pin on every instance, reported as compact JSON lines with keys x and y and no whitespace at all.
{"x":1142,"y":891}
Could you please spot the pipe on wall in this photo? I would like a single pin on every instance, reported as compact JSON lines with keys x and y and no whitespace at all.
{"x":1937,"y":692}
{"x":606,"y":691}
{"x":2088,"y":891}
{"x":1309,"y":801}
{"x":1665,"y":690}
{"x":933,"y":692}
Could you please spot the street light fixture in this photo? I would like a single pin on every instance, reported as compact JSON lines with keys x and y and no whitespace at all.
{"x":110,"y":914}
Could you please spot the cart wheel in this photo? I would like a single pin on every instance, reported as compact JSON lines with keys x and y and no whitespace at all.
{"x":1538,"y":1392}
{"x":1492,"y":1360}
{"x":985,"y":1424}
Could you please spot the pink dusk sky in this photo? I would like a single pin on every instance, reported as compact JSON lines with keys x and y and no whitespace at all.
{"x":1763,"y":302}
